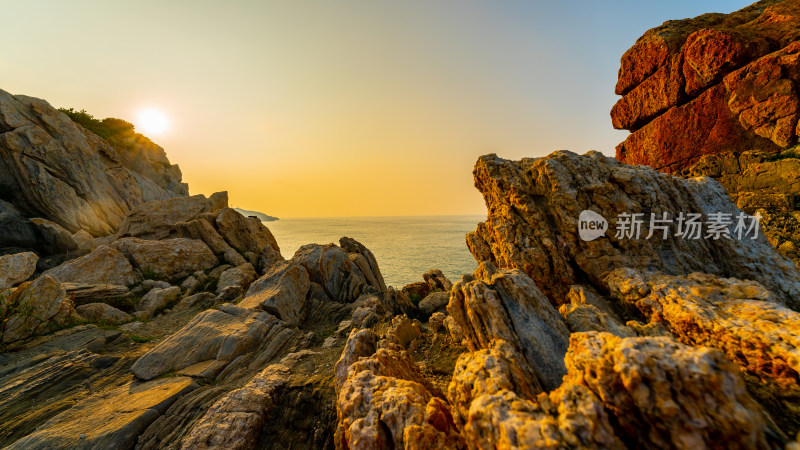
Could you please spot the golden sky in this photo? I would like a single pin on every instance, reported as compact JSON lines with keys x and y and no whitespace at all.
{"x":339,"y":108}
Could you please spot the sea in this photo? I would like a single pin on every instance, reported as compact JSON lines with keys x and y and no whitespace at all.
{"x":405,"y":247}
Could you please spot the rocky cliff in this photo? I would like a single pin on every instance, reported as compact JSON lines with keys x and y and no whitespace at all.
{"x":75,"y":181}
{"x":715,"y":83}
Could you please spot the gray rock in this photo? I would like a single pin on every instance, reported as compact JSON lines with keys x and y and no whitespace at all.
{"x":157,"y":299}
{"x":330,"y":267}
{"x":351,"y":246}
{"x":149,"y":285}
{"x":103,"y":313}
{"x":39,"y":306}
{"x":435,"y":301}
{"x":281,"y":291}
{"x":16,"y":268}
{"x":212,"y":334}
{"x":170,"y":259}
{"x":104,"y":265}
{"x":54,"y":238}
{"x":240,"y":276}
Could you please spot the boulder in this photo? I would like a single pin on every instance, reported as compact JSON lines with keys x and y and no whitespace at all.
{"x":54,"y":238}
{"x":15,"y":230}
{"x":158,"y":219}
{"x":84,"y":241}
{"x":16,"y":268}
{"x":59,"y":171}
{"x":667,"y":395}
{"x":103,"y":313}
{"x":508,"y":305}
{"x":157,"y":299}
{"x":433,"y":302}
{"x":235,"y":421}
{"x":331,"y":267}
{"x":240,"y":276}
{"x":109,"y":419}
{"x":36,"y":308}
{"x":437,"y":281}
{"x":534,"y":210}
{"x":386,"y":402}
{"x":711,"y":84}
{"x":370,"y":270}
{"x":82,"y":293}
{"x":104,"y":265}
{"x":203,"y":230}
{"x":213,"y":334}
{"x":281,"y":292}
{"x":170,"y":259}
{"x":244,"y":234}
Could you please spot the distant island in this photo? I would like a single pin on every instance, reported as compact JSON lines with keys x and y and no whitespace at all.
{"x":262,"y":216}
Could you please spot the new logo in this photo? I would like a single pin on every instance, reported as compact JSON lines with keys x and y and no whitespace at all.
{"x":591,"y":225}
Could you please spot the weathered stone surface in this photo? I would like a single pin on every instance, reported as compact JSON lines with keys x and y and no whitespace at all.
{"x":433,"y":302}
{"x":104,"y":265}
{"x":81,"y":293}
{"x":103,"y":313}
{"x":281,"y":291}
{"x":16,"y":268}
{"x":507,"y":305}
{"x":235,"y":421}
{"x":111,"y":419}
{"x":203,"y":230}
{"x":158,"y":219}
{"x":213,"y":334}
{"x":245,"y":234}
{"x":582,"y":317}
{"x":170,"y":259}
{"x":495,"y":406}
{"x":437,"y":281}
{"x":330,"y":267}
{"x":157,"y":299}
{"x":373,"y":272}
{"x":667,"y":395}
{"x":61,"y":172}
{"x":15,"y":230}
{"x":711,"y":84}
{"x":54,"y":238}
{"x":534,"y":205}
{"x":35,"y":308}
{"x":240,"y":276}
{"x":386,"y":402}
{"x":741,"y":318}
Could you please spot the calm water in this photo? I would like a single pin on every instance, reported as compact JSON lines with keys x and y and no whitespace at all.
{"x":406,"y":247}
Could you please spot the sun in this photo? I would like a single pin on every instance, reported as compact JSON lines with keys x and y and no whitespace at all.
{"x":152,"y":122}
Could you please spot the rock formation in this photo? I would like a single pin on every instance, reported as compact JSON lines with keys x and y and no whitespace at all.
{"x":711,"y":84}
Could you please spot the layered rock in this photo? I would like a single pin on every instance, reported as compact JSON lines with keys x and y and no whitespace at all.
{"x":532,"y":225}
{"x":281,"y":292}
{"x":55,"y":169}
{"x":342,"y":278}
{"x":35,"y":308}
{"x":16,"y":268}
{"x":507,"y":305}
{"x":170,"y":259}
{"x":104,"y":265}
{"x":711,"y":84}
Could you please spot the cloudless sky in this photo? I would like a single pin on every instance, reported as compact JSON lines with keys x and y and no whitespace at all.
{"x":339,"y":108}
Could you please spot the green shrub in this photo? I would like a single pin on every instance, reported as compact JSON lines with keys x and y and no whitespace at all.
{"x":791,"y":152}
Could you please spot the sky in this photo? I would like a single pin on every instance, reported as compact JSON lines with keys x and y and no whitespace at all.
{"x":304,"y":108}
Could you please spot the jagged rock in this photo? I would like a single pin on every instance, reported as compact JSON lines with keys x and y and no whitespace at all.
{"x":667,"y":395}
{"x":360,"y":343}
{"x":37,"y":307}
{"x":454,"y":329}
{"x":281,"y":291}
{"x":436,"y":322}
{"x":104,"y":265}
{"x":586,"y":317}
{"x":269,"y":258}
{"x":330,"y":267}
{"x":149,"y":285}
{"x":16,"y":268}
{"x":61,"y":172}
{"x":386,"y":402}
{"x":741,"y":318}
{"x":84,"y":241}
{"x":159,"y":219}
{"x":240,"y":276}
{"x":170,"y":259}
{"x":54,"y":238}
{"x":110,"y":419}
{"x":418,"y":289}
{"x":495,"y":406}
{"x":710,"y":84}
{"x":213,"y":334}
{"x":532,"y":225}
{"x":433,"y":302}
{"x":397,"y":302}
{"x":235,"y":421}
{"x":103,"y":313}
{"x":203,"y":230}
{"x":245,"y":234}
{"x":371,"y":270}
{"x":507,"y":305}
{"x":437,"y":281}
{"x":157,"y":299}
{"x":403,"y":330}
